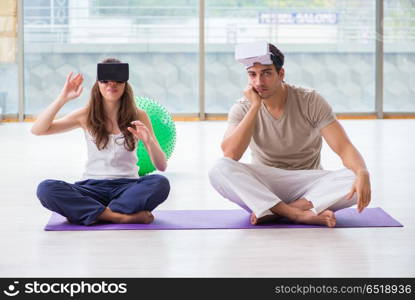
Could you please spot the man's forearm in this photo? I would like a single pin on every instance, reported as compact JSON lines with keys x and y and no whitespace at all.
{"x":234,"y":145}
{"x":354,"y":161}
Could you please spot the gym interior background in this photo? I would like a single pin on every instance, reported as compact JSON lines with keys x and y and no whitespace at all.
{"x":359,"y":55}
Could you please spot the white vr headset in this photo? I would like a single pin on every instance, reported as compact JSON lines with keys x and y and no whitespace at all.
{"x":249,"y":54}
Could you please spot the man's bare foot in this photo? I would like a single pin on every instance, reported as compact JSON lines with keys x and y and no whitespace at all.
{"x":140,"y":217}
{"x":302,"y":204}
{"x":326,"y":218}
{"x":265,"y":219}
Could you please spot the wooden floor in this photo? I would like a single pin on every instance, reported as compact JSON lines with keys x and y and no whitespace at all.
{"x":26,"y":250}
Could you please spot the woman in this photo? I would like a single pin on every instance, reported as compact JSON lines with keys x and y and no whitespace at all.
{"x":111,"y":190}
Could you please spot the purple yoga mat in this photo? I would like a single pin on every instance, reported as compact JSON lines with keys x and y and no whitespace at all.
{"x":227,"y":219}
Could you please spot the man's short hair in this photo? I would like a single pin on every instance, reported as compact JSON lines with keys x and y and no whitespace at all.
{"x":279,"y":57}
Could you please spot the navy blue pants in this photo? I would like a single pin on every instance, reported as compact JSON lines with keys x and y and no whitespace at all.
{"x":83,"y":201}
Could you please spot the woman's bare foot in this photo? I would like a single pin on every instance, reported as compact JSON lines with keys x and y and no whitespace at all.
{"x":265,"y":219}
{"x":326,"y":218}
{"x":140,"y":217}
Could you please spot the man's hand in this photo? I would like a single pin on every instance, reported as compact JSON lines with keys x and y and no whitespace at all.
{"x":252,"y":95}
{"x":361,"y":186}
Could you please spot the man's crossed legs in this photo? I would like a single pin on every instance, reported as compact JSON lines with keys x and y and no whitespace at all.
{"x":304,"y":196}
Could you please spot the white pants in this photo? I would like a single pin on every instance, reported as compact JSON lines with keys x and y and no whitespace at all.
{"x":256,"y":188}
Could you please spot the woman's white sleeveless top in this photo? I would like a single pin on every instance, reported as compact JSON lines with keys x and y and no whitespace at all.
{"x":112,"y":162}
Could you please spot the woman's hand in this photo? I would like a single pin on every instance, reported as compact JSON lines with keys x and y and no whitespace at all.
{"x":140,"y":132}
{"x":46,"y":123}
{"x":73,"y":87}
{"x":144,"y":131}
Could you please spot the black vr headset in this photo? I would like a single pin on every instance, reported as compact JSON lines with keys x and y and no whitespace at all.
{"x":113,"y":72}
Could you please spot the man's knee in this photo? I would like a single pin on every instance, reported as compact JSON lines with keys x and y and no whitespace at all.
{"x":223,"y":167}
{"x":350,"y":177}
{"x":352,"y":201}
{"x":344,"y":203}
{"x":345,"y":175}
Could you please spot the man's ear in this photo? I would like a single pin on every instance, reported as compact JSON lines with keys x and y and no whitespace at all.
{"x":281,"y":74}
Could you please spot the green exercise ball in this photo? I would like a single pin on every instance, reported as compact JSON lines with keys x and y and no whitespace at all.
{"x":164,"y":130}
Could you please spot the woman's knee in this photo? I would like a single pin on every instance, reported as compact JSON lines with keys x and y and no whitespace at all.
{"x":161,"y":187}
{"x":45,"y":189}
{"x":48,"y":191}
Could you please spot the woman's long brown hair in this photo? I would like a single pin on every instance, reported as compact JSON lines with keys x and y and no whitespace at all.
{"x":97,"y":119}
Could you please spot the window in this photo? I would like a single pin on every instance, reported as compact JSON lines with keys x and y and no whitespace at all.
{"x":159,"y":39}
{"x":328,"y":46}
{"x":399,"y":56}
{"x":8,"y":66}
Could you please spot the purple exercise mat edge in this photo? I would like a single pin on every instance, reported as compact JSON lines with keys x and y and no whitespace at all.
{"x":229,"y":219}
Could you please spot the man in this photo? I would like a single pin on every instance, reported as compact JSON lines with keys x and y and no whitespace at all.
{"x":284,"y":125}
